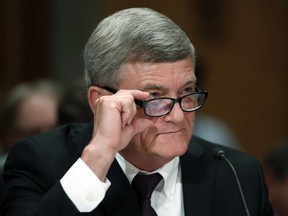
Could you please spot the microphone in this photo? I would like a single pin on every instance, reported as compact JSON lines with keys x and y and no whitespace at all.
{"x":218,"y":154}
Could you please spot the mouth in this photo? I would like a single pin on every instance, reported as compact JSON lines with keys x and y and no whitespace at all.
{"x":171,"y":132}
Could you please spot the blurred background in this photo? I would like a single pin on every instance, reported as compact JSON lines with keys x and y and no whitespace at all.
{"x":241,"y":47}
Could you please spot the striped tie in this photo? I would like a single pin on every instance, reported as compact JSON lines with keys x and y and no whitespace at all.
{"x":144,"y":186}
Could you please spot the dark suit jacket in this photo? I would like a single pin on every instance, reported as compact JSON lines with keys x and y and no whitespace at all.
{"x":36,"y":164}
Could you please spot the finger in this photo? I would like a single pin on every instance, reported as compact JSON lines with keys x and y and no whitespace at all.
{"x":137,"y":94}
{"x":127,"y":106}
{"x":129,"y":111}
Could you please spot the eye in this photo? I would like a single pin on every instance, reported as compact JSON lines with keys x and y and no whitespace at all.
{"x":188,"y":90}
{"x":155,"y":95}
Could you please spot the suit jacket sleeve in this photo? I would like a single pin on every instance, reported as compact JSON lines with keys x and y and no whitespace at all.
{"x":31,"y":188}
{"x":36,"y":165}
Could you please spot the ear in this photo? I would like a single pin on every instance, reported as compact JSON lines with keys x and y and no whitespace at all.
{"x":93,"y":94}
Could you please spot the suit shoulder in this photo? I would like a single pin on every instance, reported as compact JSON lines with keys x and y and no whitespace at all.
{"x":55,"y":143}
{"x":206,"y":147}
{"x":59,"y":134}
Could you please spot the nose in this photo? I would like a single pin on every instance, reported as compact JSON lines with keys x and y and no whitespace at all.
{"x":176,"y":114}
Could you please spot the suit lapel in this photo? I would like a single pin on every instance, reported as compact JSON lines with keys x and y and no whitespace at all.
{"x":197,"y":180}
{"x":120,"y":199}
{"x":81,"y":137}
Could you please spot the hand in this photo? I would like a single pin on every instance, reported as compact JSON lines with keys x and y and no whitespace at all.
{"x":115,"y":124}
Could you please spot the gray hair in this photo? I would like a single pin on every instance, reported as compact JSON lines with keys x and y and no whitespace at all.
{"x":130,"y":36}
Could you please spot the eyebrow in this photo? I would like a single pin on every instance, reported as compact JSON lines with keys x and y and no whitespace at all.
{"x":153,"y":86}
{"x":191,"y":81}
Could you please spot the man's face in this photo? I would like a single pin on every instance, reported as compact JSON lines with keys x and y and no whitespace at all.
{"x":38,"y":113}
{"x":170,"y":134}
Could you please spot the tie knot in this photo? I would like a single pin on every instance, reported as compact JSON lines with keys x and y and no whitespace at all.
{"x":145,"y":184}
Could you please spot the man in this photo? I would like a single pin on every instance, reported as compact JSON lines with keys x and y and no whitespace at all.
{"x":73,"y":106}
{"x":142,"y":91}
{"x":28,"y":109}
{"x":276,"y":175}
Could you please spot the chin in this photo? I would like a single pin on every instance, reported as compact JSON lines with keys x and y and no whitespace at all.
{"x":172,"y":148}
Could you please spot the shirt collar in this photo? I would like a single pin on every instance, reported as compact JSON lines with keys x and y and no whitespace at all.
{"x":170,"y":173}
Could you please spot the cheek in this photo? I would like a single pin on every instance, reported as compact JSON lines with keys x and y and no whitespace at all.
{"x":140,"y":112}
{"x":145,"y":137}
{"x":149,"y":136}
{"x":190,"y":120}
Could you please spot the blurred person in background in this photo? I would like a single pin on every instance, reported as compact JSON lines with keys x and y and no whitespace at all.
{"x":29,"y":108}
{"x":73,"y":106}
{"x":215,"y":130}
{"x":276,"y":176}
{"x":209,"y":127}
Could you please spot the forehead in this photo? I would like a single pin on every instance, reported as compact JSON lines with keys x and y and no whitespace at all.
{"x":147,"y":76}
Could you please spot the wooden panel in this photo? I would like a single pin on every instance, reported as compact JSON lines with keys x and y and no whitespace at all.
{"x":24,"y":42}
{"x":242,"y":47}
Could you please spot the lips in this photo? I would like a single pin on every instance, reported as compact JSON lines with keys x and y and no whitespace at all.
{"x":172,"y":132}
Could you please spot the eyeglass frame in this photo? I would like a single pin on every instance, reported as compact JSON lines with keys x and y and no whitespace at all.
{"x":174,"y":100}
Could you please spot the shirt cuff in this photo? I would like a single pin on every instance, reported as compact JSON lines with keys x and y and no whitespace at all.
{"x":83,"y":187}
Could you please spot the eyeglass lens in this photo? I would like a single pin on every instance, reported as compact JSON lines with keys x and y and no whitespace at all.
{"x":162,"y":106}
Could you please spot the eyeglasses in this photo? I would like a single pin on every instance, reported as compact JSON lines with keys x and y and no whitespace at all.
{"x":157,"y":107}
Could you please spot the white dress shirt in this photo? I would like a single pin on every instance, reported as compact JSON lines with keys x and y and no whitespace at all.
{"x":167,"y":198}
{"x":86,"y":191}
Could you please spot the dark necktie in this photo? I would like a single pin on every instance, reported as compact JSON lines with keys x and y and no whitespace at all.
{"x":144,"y":186}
